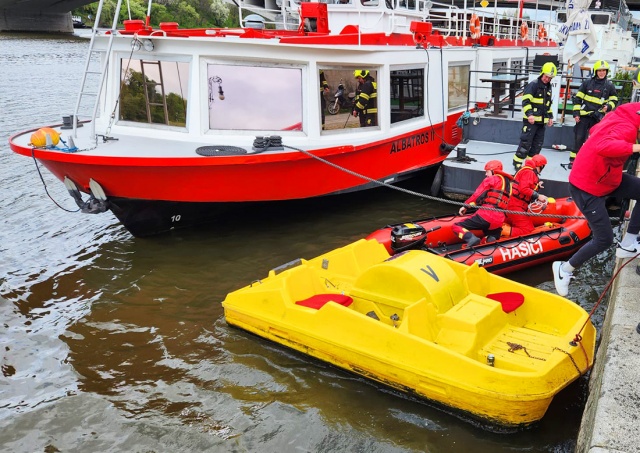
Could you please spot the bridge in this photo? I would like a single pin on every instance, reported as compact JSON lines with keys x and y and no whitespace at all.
{"x":38,"y":15}
{"x":55,"y":15}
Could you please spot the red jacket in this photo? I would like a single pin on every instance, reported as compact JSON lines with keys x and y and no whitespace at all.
{"x":495,"y":182}
{"x":524,"y":187}
{"x":599,"y":164}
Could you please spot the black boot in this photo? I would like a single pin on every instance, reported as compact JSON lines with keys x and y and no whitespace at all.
{"x":471,"y":239}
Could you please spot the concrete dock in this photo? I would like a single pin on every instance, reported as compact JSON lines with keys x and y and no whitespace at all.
{"x":611,"y":420}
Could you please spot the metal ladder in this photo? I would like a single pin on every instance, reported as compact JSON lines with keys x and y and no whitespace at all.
{"x":89,"y":70}
{"x":146,"y":83}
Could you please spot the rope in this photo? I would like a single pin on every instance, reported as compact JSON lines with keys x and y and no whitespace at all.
{"x":122,"y":84}
{"x":65,"y":149}
{"x":490,"y":251}
{"x":422,"y":195}
{"x":45,"y":184}
{"x":571,"y":358}
{"x":578,"y":337}
{"x":513,"y":347}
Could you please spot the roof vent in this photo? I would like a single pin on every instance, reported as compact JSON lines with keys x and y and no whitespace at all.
{"x":254,"y":21}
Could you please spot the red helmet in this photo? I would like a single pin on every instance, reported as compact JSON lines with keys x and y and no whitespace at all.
{"x":493,"y":165}
{"x":539,"y":160}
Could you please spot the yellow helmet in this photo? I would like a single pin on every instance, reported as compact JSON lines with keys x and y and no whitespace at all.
{"x":600,"y":64}
{"x":549,"y":69}
{"x":636,"y":76}
{"x":360,"y":73}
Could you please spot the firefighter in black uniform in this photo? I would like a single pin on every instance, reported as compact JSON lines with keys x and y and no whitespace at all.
{"x":324,"y":88}
{"x":595,"y":97}
{"x":366,"y":102}
{"x":536,"y":113}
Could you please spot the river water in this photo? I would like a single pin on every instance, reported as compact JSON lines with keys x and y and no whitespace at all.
{"x":116,"y":344}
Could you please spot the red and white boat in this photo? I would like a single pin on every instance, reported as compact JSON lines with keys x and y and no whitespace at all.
{"x":560,"y":230}
{"x":172,"y":124}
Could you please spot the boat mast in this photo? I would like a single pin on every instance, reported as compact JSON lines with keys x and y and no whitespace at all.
{"x":148,"y":21}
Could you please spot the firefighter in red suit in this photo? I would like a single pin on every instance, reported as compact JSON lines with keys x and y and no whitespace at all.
{"x":494,"y":193}
{"x":526,"y":184}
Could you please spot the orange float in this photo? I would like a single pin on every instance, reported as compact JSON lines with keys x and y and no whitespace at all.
{"x":474,"y":27}
{"x":39,"y":137}
{"x":524,"y":30}
{"x":542,"y":32}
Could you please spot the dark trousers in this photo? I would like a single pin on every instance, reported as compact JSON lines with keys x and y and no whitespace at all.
{"x":475,"y":222}
{"x":595,"y":210}
{"x":581,"y":132}
{"x":531,"y":140}
{"x":368,"y":119}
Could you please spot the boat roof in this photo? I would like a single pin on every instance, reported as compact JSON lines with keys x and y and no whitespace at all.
{"x":389,"y":23}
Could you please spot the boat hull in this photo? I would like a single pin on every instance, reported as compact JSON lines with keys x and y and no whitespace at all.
{"x":421,"y":324}
{"x":144,"y":218}
{"x":552,"y":239}
{"x":152,"y":195}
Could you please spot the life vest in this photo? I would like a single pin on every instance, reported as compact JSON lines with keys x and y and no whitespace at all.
{"x":516,"y":189}
{"x":498,"y":198}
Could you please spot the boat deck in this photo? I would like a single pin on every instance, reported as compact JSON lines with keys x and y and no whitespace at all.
{"x":122,"y":141}
{"x":463,"y":175}
{"x":520,"y":348}
{"x":488,"y":138}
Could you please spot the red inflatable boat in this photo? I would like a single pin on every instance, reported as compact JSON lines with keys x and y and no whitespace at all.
{"x":560,"y":231}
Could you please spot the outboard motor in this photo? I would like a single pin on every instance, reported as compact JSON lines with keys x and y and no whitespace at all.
{"x":407,"y":236}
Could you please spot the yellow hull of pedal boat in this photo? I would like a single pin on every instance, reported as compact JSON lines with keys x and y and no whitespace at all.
{"x":453,"y":334}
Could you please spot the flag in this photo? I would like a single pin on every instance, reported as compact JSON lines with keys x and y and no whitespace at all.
{"x":577,"y":34}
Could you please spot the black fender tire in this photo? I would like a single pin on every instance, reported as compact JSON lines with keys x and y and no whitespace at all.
{"x":437,"y":182}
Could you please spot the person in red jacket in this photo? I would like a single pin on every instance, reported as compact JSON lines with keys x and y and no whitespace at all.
{"x":598,"y":173}
{"x":493,"y":192}
{"x":524,"y":190}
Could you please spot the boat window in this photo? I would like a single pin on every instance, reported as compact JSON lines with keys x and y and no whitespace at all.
{"x":153,"y":91}
{"x":600,"y":19}
{"x":254,"y":97}
{"x":458,"y":85}
{"x":342,"y":99}
{"x":407,"y":94}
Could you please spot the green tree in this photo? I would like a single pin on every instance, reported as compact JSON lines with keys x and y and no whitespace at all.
{"x":133,"y":103}
{"x":220,"y":11}
{"x":623,"y":80}
{"x":187,"y":13}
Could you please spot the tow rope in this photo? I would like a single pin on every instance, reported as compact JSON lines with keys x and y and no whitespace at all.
{"x":422,"y":195}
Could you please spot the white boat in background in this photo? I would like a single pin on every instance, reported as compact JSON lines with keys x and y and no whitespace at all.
{"x":612,"y":25}
{"x":172,"y":125}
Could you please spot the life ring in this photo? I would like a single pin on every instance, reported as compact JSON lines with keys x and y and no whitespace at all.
{"x":542,"y":32}
{"x":524,"y":30}
{"x":474,"y":27}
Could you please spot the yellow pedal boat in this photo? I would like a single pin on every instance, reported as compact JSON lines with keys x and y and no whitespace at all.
{"x":450,"y":333}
